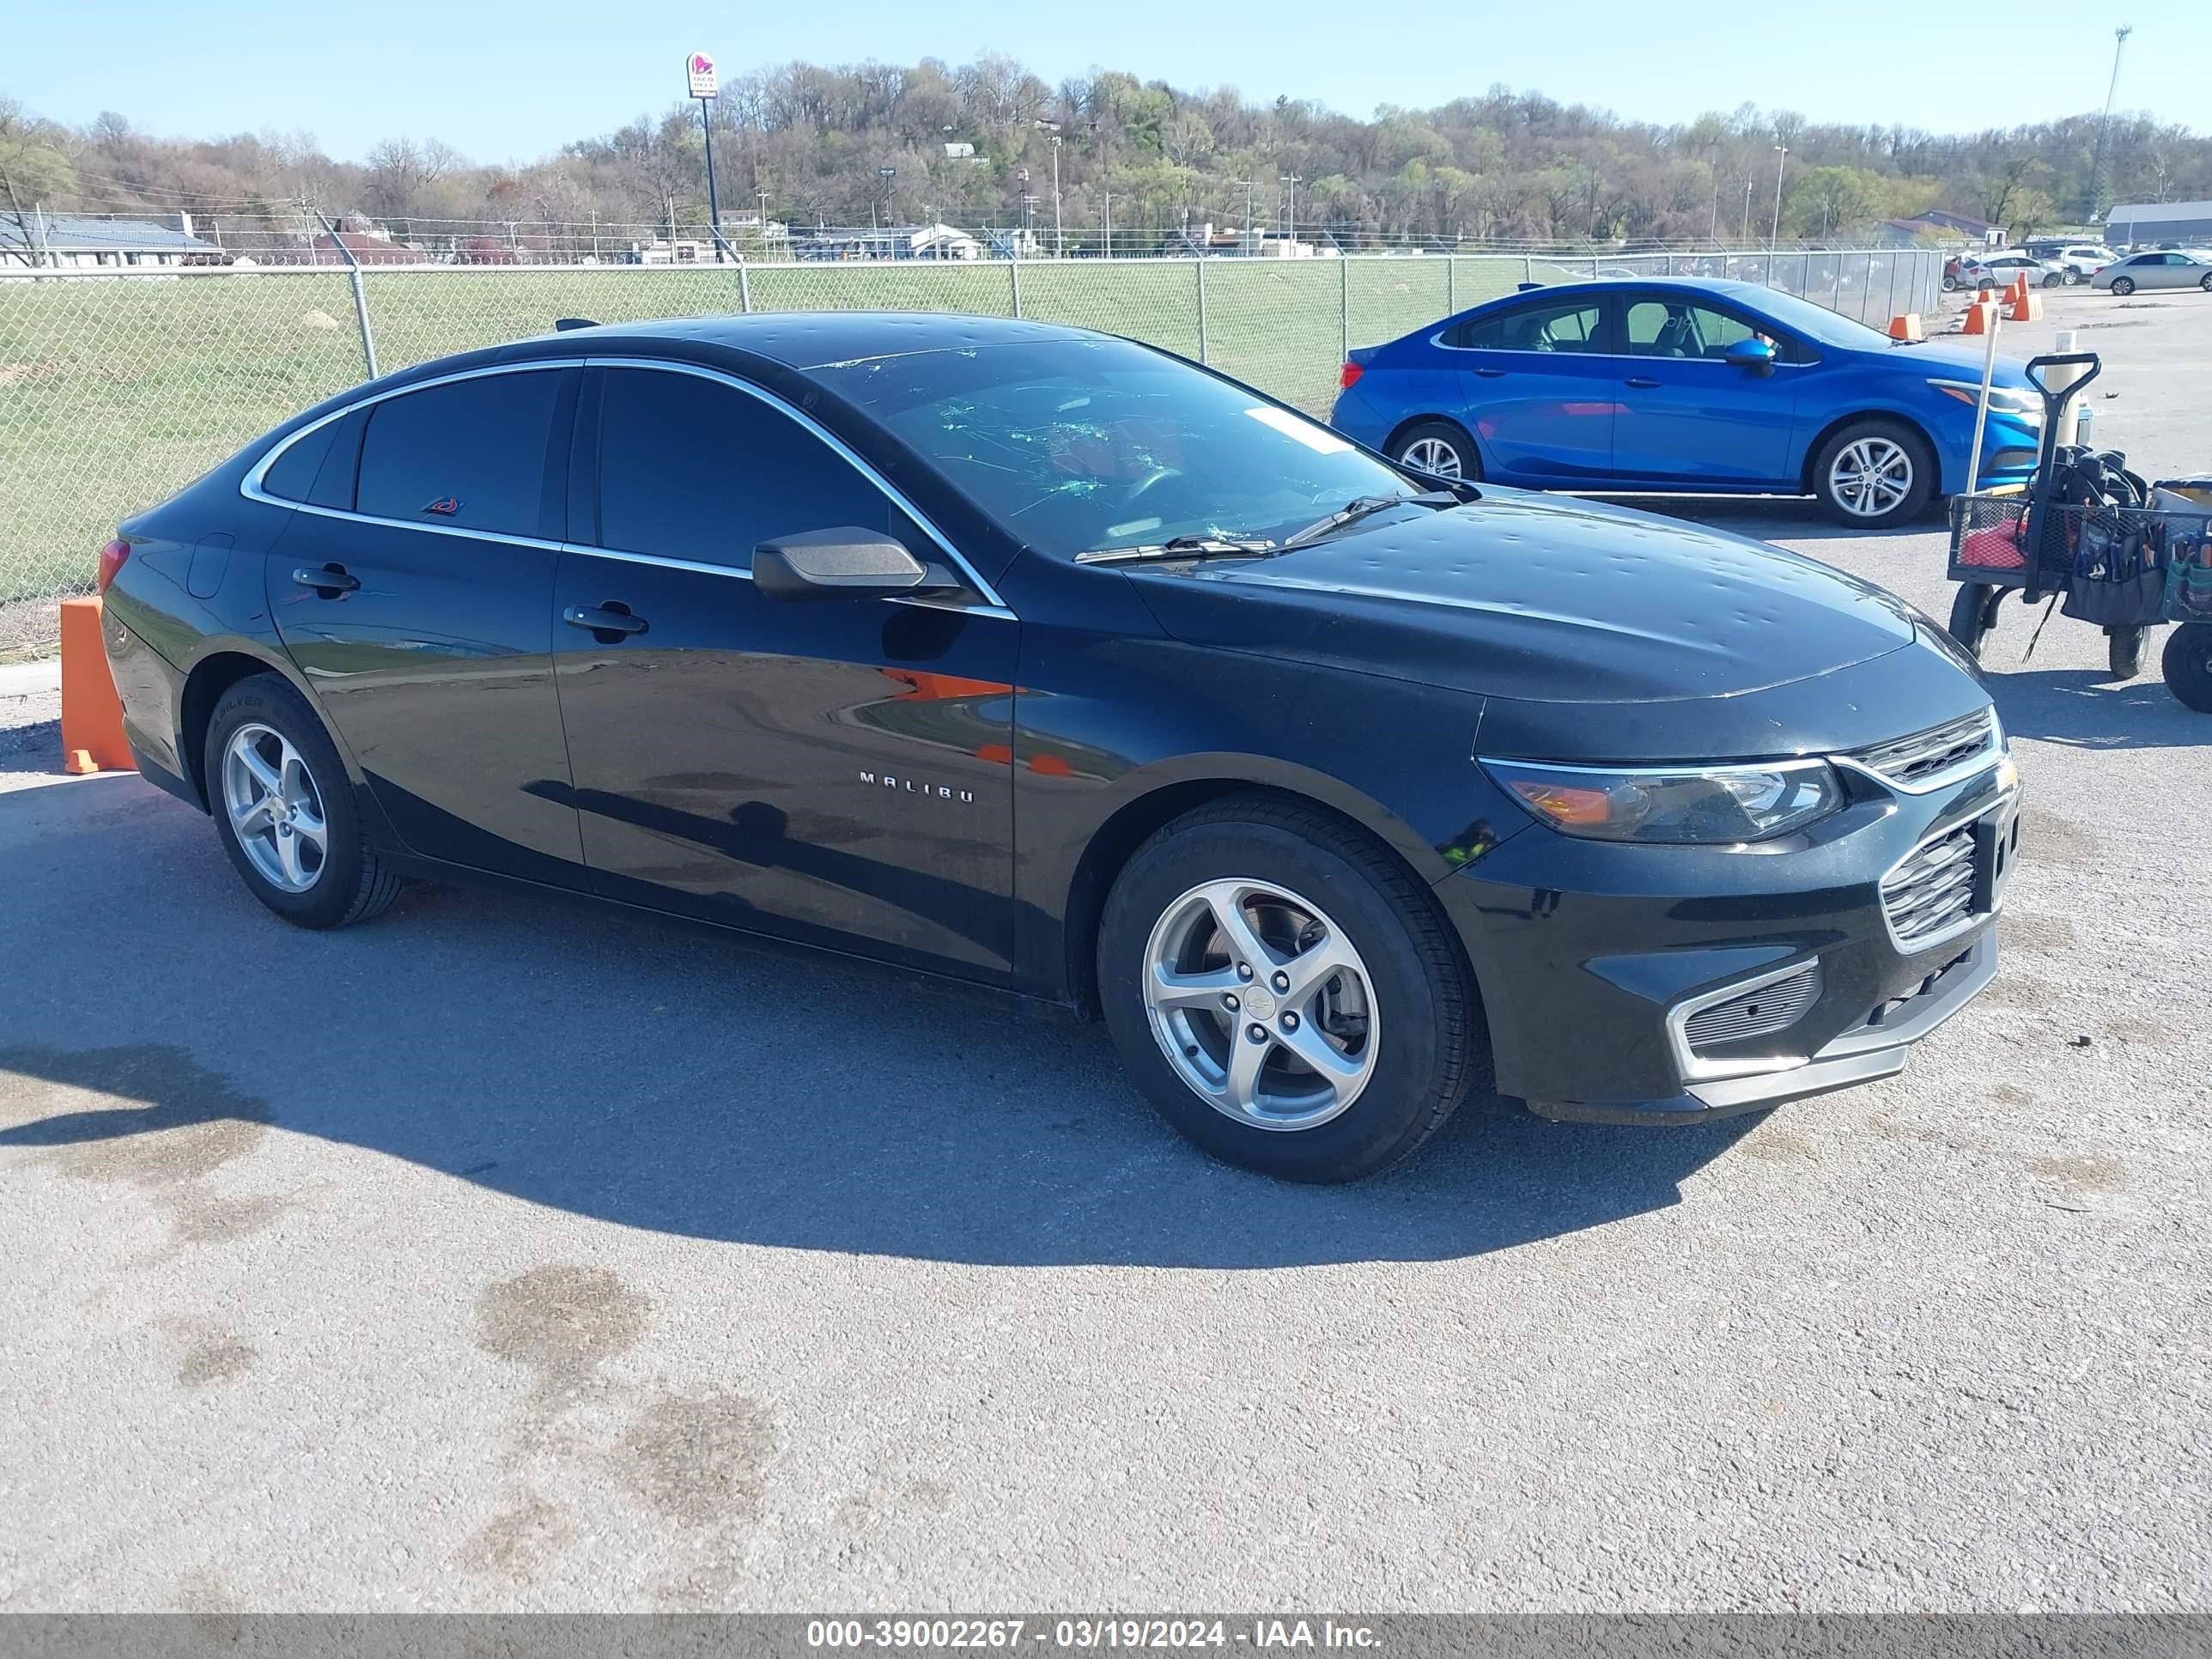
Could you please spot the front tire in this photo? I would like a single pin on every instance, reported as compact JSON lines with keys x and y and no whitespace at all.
{"x":2206,"y":285}
{"x":2052,"y":279}
{"x":285,"y":810}
{"x":2187,"y":664}
{"x":1874,"y":474}
{"x":1440,"y":447}
{"x":1283,"y":991}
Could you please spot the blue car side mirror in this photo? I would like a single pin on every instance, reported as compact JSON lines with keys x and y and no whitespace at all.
{"x":1756,"y":356}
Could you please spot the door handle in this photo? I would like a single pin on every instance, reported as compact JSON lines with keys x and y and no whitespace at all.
{"x":1490,"y":373}
{"x":608,"y":623}
{"x":330,"y":581}
{"x":1642,"y":380}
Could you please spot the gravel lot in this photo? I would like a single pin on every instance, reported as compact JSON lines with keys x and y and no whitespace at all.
{"x":501,"y":1255}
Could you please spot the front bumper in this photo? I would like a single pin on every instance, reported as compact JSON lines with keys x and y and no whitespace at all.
{"x":1876,"y":1049}
{"x":1591,"y":955}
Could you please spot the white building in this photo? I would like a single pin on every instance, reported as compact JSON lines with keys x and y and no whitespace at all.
{"x":64,"y":241}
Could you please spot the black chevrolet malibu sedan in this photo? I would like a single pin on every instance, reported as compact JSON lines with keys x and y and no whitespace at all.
{"x":1042,"y":659}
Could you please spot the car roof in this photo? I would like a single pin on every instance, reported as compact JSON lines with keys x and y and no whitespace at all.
{"x":817,"y":339}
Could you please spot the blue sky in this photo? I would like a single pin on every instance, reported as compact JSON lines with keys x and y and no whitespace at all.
{"x":512,"y":83}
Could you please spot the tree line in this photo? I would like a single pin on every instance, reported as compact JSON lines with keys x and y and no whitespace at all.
{"x":977,"y":144}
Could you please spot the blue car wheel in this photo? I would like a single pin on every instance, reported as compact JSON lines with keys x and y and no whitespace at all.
{"x":1872,"y":474}
{"x":1439,"y":447}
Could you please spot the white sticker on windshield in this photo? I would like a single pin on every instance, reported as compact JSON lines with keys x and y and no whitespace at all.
{"x":1319,"y":439}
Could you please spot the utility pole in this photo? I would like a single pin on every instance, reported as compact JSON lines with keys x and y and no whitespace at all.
{"x":2104,"y":127}
{"x":1291,"y":182}
{"x":1058,"y":248}
{"x":1782,"y":160}
{"x":1108,"y":196}
{"x":1249,"y":186}
{"x":1745,"y":233}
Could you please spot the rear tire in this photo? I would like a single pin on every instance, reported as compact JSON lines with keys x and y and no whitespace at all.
{"x":2123,"y":651}
{"x":2187,"y":664}
{"x":1398,"y":1014}
{"x":1874,"y":474}
{"x":2123,"y":286}
{"x":1971,"y":619}
{"x":285,"y":810}
{"x":1449,"y":451}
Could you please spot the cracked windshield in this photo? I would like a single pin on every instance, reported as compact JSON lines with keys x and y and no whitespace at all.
{"x":1083,"y":446}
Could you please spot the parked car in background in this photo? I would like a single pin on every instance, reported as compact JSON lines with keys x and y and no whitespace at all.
{"x":2080,"y":260}
{"x":1998,"y":270}
{"x":1025,"y":656}
{"x":1664,"y":383}
{"x":2174,"y":268}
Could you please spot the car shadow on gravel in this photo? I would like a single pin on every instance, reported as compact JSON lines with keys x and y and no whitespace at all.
{"x":697,"y":1086}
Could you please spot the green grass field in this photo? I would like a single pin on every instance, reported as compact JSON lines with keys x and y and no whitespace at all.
{"x":116,"y":391}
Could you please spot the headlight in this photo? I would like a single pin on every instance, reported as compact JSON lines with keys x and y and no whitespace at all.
{"x":1706,"y":806}
{"x":2016,"y":401}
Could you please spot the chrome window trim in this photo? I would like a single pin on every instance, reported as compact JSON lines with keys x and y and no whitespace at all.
{"x":1694,"y":1069}
{"x":251,"y":486}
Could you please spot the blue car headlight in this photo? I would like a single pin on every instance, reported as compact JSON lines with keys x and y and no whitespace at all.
{"x":2017,"y":402}
{"x":1684,"y":804}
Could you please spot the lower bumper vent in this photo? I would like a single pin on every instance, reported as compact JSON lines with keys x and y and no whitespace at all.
{"x":1772,"y":1007}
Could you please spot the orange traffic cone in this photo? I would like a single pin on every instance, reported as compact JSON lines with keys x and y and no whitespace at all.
{"x":1906,"y":326}
{"x":1981,"y":318}
{"x":2028,"y":308}
{"x":2016,"y":291}
{"x":92,"y":715}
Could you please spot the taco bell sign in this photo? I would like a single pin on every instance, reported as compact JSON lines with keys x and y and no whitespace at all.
{"x":701,"y":67}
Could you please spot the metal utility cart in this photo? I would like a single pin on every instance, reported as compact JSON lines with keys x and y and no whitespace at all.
{"x":2115,"y":562}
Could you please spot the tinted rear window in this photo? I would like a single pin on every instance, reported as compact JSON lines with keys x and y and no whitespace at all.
{"x":471,"y":454}
{"x":292,"y":477}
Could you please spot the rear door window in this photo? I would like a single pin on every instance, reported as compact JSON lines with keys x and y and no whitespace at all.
{"x":1559,"y":325}
{"x":473,"y":454}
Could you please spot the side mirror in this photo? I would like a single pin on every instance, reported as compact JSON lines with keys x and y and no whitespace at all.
{"x":1754,"y":356}
{"x":844,"y":563}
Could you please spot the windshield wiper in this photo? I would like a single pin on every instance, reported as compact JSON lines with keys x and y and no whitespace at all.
{"x":1360,"y":506}
{"x":1179,"y":547}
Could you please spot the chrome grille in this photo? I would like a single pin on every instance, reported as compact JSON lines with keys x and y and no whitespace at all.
{"x":1772,"y":1007}
{"x":1911,"y":762}
{"x":1932,"y":891}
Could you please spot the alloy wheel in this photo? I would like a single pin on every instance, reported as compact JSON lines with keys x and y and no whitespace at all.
{"x":275,"y":807}
{"x":1261,"y":1004}
{"x":1433,"y":455}
{"x":1870,"y":475}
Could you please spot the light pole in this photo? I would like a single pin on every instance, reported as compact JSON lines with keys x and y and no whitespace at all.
{"x":1249,"y":185}
{"x":1745,"y":232}
{"x":887,"y":174}
{"x":1781,"y":160}
{"x":1108,"y":196}
{"x":2104,"y":127}
{"x":1291,"y":181}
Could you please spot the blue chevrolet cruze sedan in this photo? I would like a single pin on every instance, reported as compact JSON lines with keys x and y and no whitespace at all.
{"x":1666,"y":385}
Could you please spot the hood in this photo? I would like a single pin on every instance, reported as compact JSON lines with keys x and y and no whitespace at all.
{"x":1541,"y":598}
{"x":1954,"y":364}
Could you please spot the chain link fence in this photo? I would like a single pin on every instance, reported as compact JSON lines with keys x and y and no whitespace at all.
{"x":119,"y":388}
